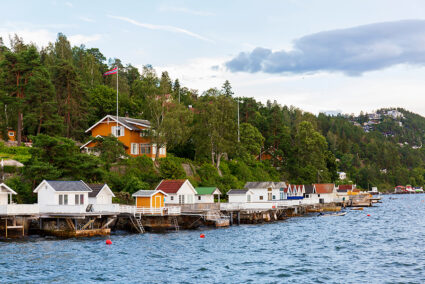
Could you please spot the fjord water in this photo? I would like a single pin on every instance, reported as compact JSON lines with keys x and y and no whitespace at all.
{"x":387,"y":247}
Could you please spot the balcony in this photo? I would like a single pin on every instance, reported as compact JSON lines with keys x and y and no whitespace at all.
{"x":19,"y":209}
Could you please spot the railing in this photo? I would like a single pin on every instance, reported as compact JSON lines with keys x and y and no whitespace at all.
{"x":63,"y":209}
{"x":174,"y":210}
{"x":197,"y":207}
{"x":107,"y":208}
{"x":19,"y":209}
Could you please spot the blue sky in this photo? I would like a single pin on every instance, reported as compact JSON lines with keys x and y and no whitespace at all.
{"x":314,"y":54}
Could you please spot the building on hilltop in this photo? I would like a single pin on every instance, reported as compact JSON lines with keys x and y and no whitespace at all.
{"x":133,"y":133}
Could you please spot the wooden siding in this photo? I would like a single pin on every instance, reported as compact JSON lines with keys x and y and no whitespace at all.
{"x":104,"y":129}
{"x":157,"y":201}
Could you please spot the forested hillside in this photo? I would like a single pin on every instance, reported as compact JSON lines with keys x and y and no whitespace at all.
{"x":52,"y":95}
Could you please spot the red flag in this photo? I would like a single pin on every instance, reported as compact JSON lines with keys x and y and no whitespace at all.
{"x":112,"y":71}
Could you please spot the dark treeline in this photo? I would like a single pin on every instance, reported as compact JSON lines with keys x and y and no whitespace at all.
{"x":53,"y":95}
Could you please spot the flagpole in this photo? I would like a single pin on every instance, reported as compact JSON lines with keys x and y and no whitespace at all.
{"x":117,"y":103}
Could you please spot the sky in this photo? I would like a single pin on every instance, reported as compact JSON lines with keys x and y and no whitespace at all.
{"x":317,"y":55}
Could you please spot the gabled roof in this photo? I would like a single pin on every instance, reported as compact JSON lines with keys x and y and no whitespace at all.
{"x":346,"y":187}
{"x":280,"y":184}
{"x":63,"y":186}
{"x":170,"y":185}
{"x":207,"y":190}
{"x":4,"y":187}
{"x":259,"y":184}
{"x":322,"y":188}
{"x":309,"y":189}
{"x":147,"y":193}
{"x":237,"y":192}
{"x":129,"y":123}
{"x":265,"y":184}
{"x":97,"y":188}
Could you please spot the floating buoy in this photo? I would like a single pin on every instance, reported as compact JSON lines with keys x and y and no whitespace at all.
{"x":202,"y":236}
{"x":368,"y":215}
{"x":108,"y":242}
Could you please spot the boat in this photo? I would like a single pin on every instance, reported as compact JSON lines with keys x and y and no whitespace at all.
{"x":332,"y":214}
{"x":360,"y":208}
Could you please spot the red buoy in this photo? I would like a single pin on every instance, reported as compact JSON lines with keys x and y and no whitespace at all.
{"x":368,"y":215}
{"x":108,"y":242}
{"x":202,"y":236}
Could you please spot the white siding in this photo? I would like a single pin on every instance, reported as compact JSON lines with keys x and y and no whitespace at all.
{"x":185,"y":190}
{"x":205,"y":198}
{"x":237,"y":198}
{"x":3,"y":198}
{"x":172,"y":198}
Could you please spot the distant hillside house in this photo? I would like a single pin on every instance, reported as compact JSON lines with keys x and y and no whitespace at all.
{"x":133,"y":133}
{"x":11,"y":135}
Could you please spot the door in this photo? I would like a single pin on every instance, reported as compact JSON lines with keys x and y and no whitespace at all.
{"x":157,"y":203}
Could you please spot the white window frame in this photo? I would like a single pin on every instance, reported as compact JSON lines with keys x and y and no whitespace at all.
{"x":134,"y":149}
{"x":115,"y":130}
{"x":11,"y":133}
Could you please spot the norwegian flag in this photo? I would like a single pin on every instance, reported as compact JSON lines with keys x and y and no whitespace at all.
{"x":112,"y":71}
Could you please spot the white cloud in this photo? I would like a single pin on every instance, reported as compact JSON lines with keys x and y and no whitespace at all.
{"x":161,"y":27}
{"x":313,"y":92}
{"x":185,"y":10}
{"x":40,"y":37}
{"x":79,"y":39}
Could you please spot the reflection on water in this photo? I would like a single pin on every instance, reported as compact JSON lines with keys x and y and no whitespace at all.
{"x":385,"y":247}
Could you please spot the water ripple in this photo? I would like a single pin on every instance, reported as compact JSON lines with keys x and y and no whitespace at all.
{"x":386,"y":247}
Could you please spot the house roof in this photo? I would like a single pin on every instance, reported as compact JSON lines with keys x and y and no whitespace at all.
{"x":3,"y":186}
{"x":127,"y":122}
{"x":322,"y":188}
{"x":77,"y":185}
{"x":345,"y":187}
{"x":309,"y":188}
{"x":147,"y":193}
{"x":97,"y":187}
{"x":170,"y":185}
{"x":206,"y":190}
{"x":265,"y":184}
{"x":237,"y":192}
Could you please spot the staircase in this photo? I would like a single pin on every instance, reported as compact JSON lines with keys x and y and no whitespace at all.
{"x":137,"y":223}
{"x":175,"y":223}
{"x":218,"y":218}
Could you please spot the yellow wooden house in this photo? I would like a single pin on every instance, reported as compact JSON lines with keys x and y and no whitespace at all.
{"x":150,"y":198}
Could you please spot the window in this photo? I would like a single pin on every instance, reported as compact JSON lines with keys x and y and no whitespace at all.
{"x":145,"y":149}
{"x":274,"y":197}
{"x":117,"y":131}
{"x":199,"y":197}
{"x":318,"y":195}
{"x":11,"y":133}
{"x":248,"y":198}
{"x":144,"y":133}
{"x":134,"y":149}
{"x":65,"y":199}
{"x":153,"y":149}
{"x":60,"y":199}
{"x":79,"y":199}
{"x":261,"y":197}
{"x":281,"y":193}
{"x":171,"y":197}
{"x":181,"y":199}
